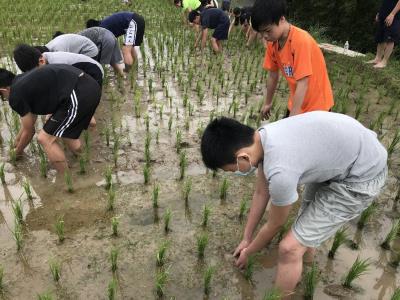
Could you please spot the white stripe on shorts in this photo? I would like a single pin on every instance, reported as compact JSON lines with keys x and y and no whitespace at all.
{"x":71,"y":115}
{"x":130,"y":36}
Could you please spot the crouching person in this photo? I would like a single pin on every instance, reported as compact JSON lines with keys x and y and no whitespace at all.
{"x":341,"y":163}
{"x":68,"y":94}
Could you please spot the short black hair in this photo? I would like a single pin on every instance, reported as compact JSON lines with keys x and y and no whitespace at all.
{"x":222,"y":138}
{"x":192,"y":15}
{"x":42,"y":49}
{"x":267,"y":12}
{"x":57,"y":33}
{"x":6,"y":78}
{"x":176,"y":2}
{"x":92,"y":23}
{"x":26,"y":57}
{"x":237,"y":11}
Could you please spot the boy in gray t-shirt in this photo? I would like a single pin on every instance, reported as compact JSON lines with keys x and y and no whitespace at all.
{"x":341,"y":163}
{"x":73,"y":43}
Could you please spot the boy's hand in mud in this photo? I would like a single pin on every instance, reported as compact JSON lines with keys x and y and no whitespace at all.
{"x":243,"y":244}
{"x":266,"y":111}
{"x":241,"y":262}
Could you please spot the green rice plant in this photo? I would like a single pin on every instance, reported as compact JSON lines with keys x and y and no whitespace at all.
{"x":206,"y":215}
{"x":170,"y":122}
{"x":395,"y":141}
{"x":183,"y":163}
{"x":146,"y":173}
{"x":187,"y":188}
{"x":339,"y":239}
{"x":167,"y":220}
{"x":178,"y":143}
{"x":285,"y":228}
{"x":202,"y":242}
{"x":59,"y":227}
{"x":273,"y":294}
{"x":108,"y":177}
{"x":82,"y":164}
{"x":116,"y":149}
{"x":27,"y":189}
{"x":111,"y":290}
{"x":396,"y":261}
{"x":223,"y":190}
{"x":106,"y":132}
{"x":358,"y":268}
{"x":114,"y":258}
{"x":45,"y":296}
{"x":55,"y":269}
{"x":2,"y":173}
{"x":161,"y":281}
{"x":311,"y":279}
{"x":13,"y":156}
{"x":114,"y":225}
{"x":68,"y":181}
{"x":366,"y":215}
{"x":42,"y":163}
{"x":161,"y":253}
{"x":155,"y":195}
{"x":18,"y":211}
{"x":17,"y":234}
{"x":208,"y":274}
{"x":160,"y":112}
{"x":396,"y":294}
{"x":111,"y":198}
{"x":1,"y":279}
{"x":86,"y":139}
{"x":158,"y":136}
{"x":243,"y":208}
{"x":147,"y":122}
{"x":391,"y":235}
{"x":249,"y":269}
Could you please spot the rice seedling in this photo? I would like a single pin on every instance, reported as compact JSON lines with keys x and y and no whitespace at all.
{"x":183,"y":163}
{"x":106,"y":132}
{"x":42,"y":163}
{"x":358,"y":268}
{"x":116,"y":149}
{"x":339,"y":239}
{"x":147,"y":122}
{"x":170,"y":122}
{"x":1,"y":279}
{"x":13,"y":156}
{"x":17,"y":234}
{"x":161,"y":281}
{"x":108,"y":177}
{"x":111,"y":290}
{"x":178,"y":143}
{"x":206,"y":215}
{"x":273,"y":294}
{"x":243,"y":208}
{"x":45,"y":296}
{"x":187,"y":188}
{"x":285,"y":228}
{"x":111,"y":198}
{"x":146,"y":173}
{"x":113,"y":259}
{"x":311,"y":279}
{"x":161,"y":253}
{"x":208,"y":274}
{"x":114,"y":225}
{"x":249,"y":269}
{"x":18,"y":211}
{"x":366,"y":215}
{"x":167,"y":220}
{"x":158,"y":136}
{"x":27,"y":189}
{"x":391,"y":235}
{"x":393,"y":144}
{"x":2,"y":173}
{"x":202,"y":242}
{"x":396,"y":260}
{"x":82,"y":164}
{"x":68,"y":181}
{"x":155,"y":195}
{"x":396,"y":294}
{"x":59,"y":228}
{"x":223,"y":191}
{"x":55,"y":269}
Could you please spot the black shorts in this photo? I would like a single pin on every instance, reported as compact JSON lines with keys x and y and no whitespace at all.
{"x":222,"y":30}
{"x":135,"y":31}
{"x":74,"y":114}
{"x":386,"y":34}
{"x":91,"y":69}
{"x":226,"y":5}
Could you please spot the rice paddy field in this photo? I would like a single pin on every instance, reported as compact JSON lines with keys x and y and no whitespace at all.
{"x":139,"y":216}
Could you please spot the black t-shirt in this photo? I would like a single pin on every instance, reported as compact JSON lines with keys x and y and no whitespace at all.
{"x":386,"y":9}
{"x":212,"y":17}
{"x":42,"y":90}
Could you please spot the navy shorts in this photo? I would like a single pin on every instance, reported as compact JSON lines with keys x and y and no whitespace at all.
{"x":226,"y":5}
{"x":386,"y":34}
{"x":221,"y":31}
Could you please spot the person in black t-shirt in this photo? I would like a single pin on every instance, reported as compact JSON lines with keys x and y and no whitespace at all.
{"x":65,"y":92}
{"x":242,"y":16}
{"x":388,"y":33}
{"x":211,"y":18}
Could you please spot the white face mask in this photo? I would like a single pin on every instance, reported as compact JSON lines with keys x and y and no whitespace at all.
{"x":249,"y":172}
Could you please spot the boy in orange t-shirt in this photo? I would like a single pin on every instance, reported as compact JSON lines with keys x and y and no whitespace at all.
{"x":296,"y":54}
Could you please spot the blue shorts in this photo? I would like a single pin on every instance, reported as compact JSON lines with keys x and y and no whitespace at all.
{"x":221,"y":31}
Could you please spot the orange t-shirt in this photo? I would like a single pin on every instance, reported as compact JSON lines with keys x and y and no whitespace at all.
{"x":301,"y":57}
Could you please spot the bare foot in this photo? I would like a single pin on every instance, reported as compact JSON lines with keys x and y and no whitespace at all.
{"x":380,"y":65}
{"x":92,"y":122}
{"x":374,"y":61}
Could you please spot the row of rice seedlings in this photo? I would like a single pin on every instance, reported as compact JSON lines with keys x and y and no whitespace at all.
{"x":108,"y":177}
{"x":311,"y":279}
{"x":366,"y":215}
{"x":68,"y":181}
{"x":13,"y":156}
{"x":18,"y":211}
{"x":114,"y":225}
{"x":55,"y":269}
{"x":18,"y":235}
{"x":2,"y":173}
{"x":339,"y":239}
{"x":116,"y":149}
{"x":223,"y":191}
{"x":161,"y":281}
{"x":359,"y":268}
{"x":208,"y":275}
{"x":167,"y":220}
{"x":162,"y":253}
{"x":112,"y":289}
{"x":113,"y":259}
{"x":391,"y":235}
{"x":202,"y":242}
{"x":155,"y":195}
{"x":206,"y":215}
{"x":183,"y":163}
{"x":187,"y":188}
{"x":146,"y":173}
{"x":178,"y":143}
{"x":111,"y":198}
{"x":59,"y":228}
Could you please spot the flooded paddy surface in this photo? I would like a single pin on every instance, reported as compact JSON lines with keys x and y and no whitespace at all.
{"x":176,"y":90}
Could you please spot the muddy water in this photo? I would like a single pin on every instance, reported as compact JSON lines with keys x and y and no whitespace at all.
{"x":86,"y":269}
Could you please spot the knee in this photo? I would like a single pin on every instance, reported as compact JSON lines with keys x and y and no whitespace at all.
{"x":43,"y":139}
{"x":75,"y":145}
{"x":289,"y":251}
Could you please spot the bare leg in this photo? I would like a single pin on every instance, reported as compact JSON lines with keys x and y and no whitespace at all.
{"x":92,"y":122}
{"x":118,"y":69}
{"x":215,"y":45}
{"x":290,"y":264}
{"x":386,"y":55}
{"x":127,"y":54}
{"x":74,"y":145}
{"x":53,"y":150}
{"x":309,"y":255}
{"x":380,"y":49}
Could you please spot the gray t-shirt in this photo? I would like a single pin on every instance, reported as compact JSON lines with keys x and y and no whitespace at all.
{"x":73,"y":43}
{"x":68,"y":58}
{"x":317,"y":147}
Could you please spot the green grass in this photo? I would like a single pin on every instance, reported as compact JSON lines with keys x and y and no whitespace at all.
{"x":311,"y":279}
{"x":339,"y":239}
{"x":59,"y":227}
{"x":391,"y":235}
{"x":55,"y":269}
{"x":359,"y":268}
{"x":202,"y":242}
{"x":208,"y":275}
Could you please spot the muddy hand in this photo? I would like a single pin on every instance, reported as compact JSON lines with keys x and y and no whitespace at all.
{"x":243,"y":244}
{"x":241,"y":262}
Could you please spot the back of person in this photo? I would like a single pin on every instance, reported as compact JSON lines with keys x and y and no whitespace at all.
{"x":41,"y":90}
{"x":118,"y":22}
{"x":301,"y":57}
{"x":320,"y":146}
{"x":73,"y":43}
{"x":212,"y":17}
